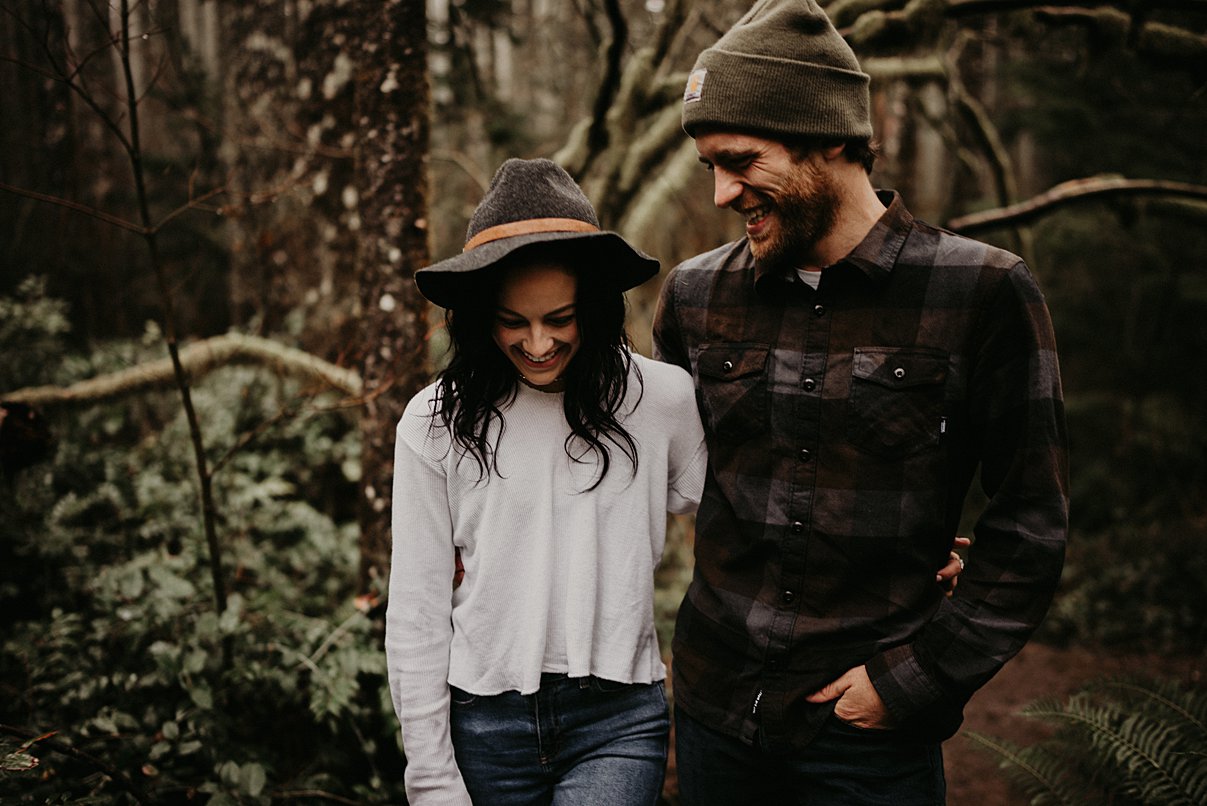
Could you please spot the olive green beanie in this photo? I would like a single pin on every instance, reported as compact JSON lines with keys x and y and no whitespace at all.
{"x":782,"y":69}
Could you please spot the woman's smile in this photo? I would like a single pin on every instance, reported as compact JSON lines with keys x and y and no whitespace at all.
{"x":536,"y":326}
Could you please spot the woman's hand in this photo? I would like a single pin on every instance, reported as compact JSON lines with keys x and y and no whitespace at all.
{"x":955,"y":566}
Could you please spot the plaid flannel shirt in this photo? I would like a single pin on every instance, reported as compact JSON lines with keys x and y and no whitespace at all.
{"x":844,"y":427}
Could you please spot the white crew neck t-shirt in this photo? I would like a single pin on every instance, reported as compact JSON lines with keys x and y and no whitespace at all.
{"x":558,"y":578}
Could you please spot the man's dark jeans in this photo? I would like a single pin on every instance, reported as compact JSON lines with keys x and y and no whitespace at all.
{"x":844,"y":766}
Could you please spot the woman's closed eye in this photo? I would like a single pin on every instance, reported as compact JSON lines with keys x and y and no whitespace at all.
{"x":509,"y":323}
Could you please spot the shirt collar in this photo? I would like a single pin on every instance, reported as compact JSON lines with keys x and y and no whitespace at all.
{"x":875,"y":255}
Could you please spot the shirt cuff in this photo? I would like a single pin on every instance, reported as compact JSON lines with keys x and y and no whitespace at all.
{"x":902,"y":683}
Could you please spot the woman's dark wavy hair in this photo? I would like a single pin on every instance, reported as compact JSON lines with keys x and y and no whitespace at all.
{"x":479,"y":380}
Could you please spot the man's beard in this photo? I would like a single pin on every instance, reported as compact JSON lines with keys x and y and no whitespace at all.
{"x":806,"y":210}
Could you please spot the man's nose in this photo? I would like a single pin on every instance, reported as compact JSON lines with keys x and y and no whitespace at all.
{"x":726,"y":188}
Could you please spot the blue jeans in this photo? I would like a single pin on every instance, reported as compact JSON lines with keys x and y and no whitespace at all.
{"x":843,"y":766}
{"x":576,"y":742}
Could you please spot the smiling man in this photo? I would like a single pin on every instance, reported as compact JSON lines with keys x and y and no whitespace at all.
{"x":855,"y":369}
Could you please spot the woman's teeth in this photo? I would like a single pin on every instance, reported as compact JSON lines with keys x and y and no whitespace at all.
{"x":539,"y":359}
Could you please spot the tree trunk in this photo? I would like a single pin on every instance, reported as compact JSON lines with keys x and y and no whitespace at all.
{"x":392,"y":126}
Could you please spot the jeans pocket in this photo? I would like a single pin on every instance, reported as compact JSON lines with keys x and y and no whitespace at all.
{"x":733,"y":388}
{"x":840,"y":725}
{"x":609,"y":686}
{"x":461,"y":698}
{"x":657,"y":689}
{"x":896,"y":400}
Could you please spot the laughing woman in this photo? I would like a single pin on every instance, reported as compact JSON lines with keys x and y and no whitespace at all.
{"x":547,"y":455}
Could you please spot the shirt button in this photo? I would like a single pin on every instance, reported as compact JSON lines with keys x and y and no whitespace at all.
{"x":788,"y":596}
{"x":819,"y":310}
{"x":797,"y":527}
{"x":810,"y":384}
{"x":805,"y":454}
{"x":899,"y":373}
{"x":727,"y":366}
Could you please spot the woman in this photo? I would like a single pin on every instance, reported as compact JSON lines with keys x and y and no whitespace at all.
{"x":548,"y":454}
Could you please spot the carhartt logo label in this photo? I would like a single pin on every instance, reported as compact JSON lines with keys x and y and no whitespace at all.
{"x":695,"y":86}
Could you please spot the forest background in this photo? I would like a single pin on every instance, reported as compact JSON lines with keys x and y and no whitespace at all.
{"x":210,"y":213}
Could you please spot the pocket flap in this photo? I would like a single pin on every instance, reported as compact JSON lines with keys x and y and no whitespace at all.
{"x":899,"y":368}
{"x":729,"y":362}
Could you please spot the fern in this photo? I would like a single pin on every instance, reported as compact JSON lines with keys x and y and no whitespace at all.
{"x":1191,"y":706}
{"x":1137,"y":749}
{"x":1041,"y":774}
{"x":1116,"y":739}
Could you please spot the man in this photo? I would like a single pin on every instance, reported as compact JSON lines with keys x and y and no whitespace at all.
{"x":854,"y":367}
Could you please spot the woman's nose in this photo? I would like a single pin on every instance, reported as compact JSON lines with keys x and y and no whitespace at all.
{"x":539,"y":341}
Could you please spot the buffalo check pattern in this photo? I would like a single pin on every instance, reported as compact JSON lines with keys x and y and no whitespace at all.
{"x":845,"y":428}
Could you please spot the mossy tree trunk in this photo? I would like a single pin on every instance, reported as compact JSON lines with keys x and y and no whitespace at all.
{"x":392,"y":126}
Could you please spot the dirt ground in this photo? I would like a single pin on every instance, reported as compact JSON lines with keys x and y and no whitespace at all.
{"x":1038,"y":671}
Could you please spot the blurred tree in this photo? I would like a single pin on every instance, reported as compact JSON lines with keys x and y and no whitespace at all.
{"x":285,"y":115}
{"x":392,"y":124}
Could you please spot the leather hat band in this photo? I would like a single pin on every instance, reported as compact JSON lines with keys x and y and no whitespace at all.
{"x":527,"y":227}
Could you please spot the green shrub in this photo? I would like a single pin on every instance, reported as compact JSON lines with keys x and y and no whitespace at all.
{"x":1140,"y":588}
{"x":119,"y":679}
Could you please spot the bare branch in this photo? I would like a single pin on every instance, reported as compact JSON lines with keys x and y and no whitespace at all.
{"x":1076,"y":190}
{"x":197,"y":360}
{"x":844,"y":12}
{"x":994,"y":150}
{"x":867,"y":23}
{"x":986,"y":133}
{"x":160,"y":68}
{"x":60,"y":73}
{"x":244,"y":441}
{"x":194,"y":203}
{"x":1163,"y":44}
{"x":905,"y":68}
{"x":467,"y":165}
{"x":673,"y":26}
{"x":76,"y":206}
{"x":33,"y":68}
{"x":209,"y":514}
{"x":597,"y":134}
{"x":653,"y":197}
{"x":968,"y":8}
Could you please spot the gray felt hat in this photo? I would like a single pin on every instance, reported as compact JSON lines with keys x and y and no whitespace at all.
{"x":531,"y":205}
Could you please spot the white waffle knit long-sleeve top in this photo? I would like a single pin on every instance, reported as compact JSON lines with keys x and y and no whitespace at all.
{"x":558,"y":578}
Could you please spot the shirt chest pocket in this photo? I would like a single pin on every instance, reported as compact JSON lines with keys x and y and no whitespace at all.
{"x":733,"y":388}
{"x":896,"y":400}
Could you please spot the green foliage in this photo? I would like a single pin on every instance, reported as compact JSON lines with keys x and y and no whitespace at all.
{"x":1124,"y":281}
{"x":32,"y":327}
{"x":1135,"y":572}
{"x":1122,"y":741}
{"x":1094,"y":106}
{"x":1138,"y":588}
{"x":111,"y":639}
